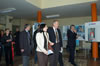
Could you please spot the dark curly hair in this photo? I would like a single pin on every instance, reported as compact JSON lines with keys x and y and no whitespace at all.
{"x":41,"y":27}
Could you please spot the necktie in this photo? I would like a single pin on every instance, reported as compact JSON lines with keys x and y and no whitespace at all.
{"x":57,"y":37}
{"x":28,"y":34}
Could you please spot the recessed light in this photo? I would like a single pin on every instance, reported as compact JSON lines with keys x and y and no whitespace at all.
{"x":53,"y":16}
{"x":7,"y":10}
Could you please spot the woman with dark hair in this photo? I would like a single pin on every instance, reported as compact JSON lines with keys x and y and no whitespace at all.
{"x":7,"y":39}
{"x":42,"y":39}
{"x":1,"y":48}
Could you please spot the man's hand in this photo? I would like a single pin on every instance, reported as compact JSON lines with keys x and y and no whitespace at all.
{"x":22,"y":50}
{"x":75,"y":31}
{"x":61,"y":50}
{"x":51,"y":44}
{"x":9,"y":40}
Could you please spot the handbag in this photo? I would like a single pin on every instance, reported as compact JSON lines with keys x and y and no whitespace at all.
{"x":49,"y":47}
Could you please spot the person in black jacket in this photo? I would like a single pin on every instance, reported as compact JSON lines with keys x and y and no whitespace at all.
{"x":55,"y":37}
{"x":72,"y":35}
{"x":17,"y":45}
{"x":7,"y":39}
{"x":25,"y":44}
{"x":1,"y":48}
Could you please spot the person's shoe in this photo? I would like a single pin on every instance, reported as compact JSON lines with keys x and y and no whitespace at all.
{"x":12,"y":65}
{"x":73,"y":63}
{"x":69,"y":61}
{"x":7,"y":65}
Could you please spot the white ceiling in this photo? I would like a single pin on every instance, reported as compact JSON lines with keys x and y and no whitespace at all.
{"x":23,"y":8}
{"x":26,"y":10}
{"x":78,"y":10}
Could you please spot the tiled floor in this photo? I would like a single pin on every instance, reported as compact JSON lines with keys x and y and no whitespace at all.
{"x":82,"y":59}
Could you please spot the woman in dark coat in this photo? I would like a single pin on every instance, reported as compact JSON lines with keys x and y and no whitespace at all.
{"x":7,"y":39}
{"x":1,"y":48}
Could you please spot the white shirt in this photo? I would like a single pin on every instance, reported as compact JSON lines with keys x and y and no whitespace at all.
{"x":54,"y":29}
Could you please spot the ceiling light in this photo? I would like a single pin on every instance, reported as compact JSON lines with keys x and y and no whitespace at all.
{"x":53,"y":16}
{"x":7,"y":10}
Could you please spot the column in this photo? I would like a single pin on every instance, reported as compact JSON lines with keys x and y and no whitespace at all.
{"x":39,"y":16}
{"x":94,"y":19}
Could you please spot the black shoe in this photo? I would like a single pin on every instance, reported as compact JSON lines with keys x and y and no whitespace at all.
{"x":69,"y":61}
{"x":7,"y":64}
{"x":12,"y":65}
{"x":73,"y":63}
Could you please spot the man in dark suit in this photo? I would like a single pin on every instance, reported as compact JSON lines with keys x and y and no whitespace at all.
{"x":25,"y":44}
{"x":17,"y":45}
{"x":72,"y":35}
{"x":55,"y":37}
{"x":61,"y":58}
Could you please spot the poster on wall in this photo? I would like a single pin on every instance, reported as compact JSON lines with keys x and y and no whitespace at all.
{"x":35,"y":26}
{"x":80,"y":32}
{"x":91,"y":34}
{"x":92,"y":31}
{"x":65,"y":29}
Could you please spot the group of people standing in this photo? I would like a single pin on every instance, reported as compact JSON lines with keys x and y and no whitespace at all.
{"x":44,"y":38}
{"x":6,"y":39}
{"x":9,"y":44}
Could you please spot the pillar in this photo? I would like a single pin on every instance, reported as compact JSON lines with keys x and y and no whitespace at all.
{"x":8,"y":23}
{"x":39,"y":17}
{"x":94,"y":19}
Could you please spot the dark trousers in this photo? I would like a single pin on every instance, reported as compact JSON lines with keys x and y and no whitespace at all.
{"x":25,"y":60}
{"x":72,"y":54}
{"x":35,"y":57}
{"x":0,"y":53}
{"x":53,"y":59}
{"x":8,"y":55}
{"x":60,"y":59}
{"x":42,"y":59}
{"x":17,"y":49}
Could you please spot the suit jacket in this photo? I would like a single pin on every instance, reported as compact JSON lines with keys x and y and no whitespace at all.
{"x":5,"y":38}
{"x":52,"y":37}
{"x":17,"y":34}
{"x":25,"y":43}
{"x":71,"y":38}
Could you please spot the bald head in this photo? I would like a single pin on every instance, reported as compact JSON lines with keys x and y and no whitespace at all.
{"x":55,"y":24}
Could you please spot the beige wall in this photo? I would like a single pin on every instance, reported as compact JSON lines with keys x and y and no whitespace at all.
{"x":23,"y":22}
{"x":17,"y":22}
{"x":62,"y":21}
{"x":69,"y":21}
